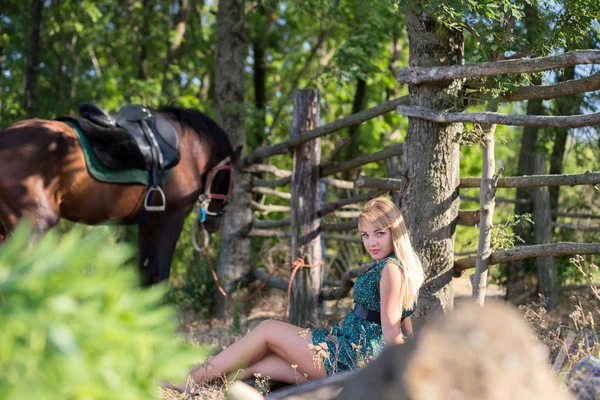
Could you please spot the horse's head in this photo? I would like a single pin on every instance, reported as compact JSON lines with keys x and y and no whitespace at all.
{"x":217,"y":188}
{"x":217,"y":176}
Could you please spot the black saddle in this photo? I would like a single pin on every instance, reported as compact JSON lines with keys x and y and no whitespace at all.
{"x":154,"y":137}
{"x":132,"y":138}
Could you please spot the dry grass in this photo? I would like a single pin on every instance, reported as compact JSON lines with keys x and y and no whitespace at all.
{"x":216,"y":334}
{"x":569,"y":331}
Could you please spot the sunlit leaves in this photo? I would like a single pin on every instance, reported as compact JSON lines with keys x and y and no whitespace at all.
{"x":76,"y":325}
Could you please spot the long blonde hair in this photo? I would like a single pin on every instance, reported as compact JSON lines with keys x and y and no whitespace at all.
{"x":384,"y":214}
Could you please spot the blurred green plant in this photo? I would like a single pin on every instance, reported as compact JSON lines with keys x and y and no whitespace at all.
{"x":76,"y":325}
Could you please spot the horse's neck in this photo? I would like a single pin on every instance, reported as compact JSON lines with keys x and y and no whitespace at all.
{"x":200,"y":150}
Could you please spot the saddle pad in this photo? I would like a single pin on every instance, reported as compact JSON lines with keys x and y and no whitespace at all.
{"x":103,"y":174}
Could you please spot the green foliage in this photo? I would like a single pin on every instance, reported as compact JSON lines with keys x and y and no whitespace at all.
{"x":503,"y":236}
{"x":75,"y":324}
{"x":93,"y":51}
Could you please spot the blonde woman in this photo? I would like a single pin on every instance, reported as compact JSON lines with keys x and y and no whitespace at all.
{"x":384,"y":298}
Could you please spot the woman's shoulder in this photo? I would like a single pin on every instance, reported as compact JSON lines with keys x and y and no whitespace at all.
{"x":393,"y":261}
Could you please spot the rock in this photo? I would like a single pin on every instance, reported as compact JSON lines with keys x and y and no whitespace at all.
{"x":472,"y":353}
{"x":584,"y":379}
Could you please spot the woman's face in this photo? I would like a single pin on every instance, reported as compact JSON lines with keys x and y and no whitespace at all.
{"x":378,"y":242}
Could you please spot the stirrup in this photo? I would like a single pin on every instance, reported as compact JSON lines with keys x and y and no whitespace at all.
{"x":148,"y":198}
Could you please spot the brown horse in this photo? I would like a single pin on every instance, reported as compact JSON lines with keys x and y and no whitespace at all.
{"x":43,"y":177}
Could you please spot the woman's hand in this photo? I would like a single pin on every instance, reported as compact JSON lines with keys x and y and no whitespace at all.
{"x":390,"y":287}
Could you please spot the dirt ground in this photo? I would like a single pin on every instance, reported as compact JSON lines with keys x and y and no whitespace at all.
{"x":462,"y":289}
{"x":270,"y":303}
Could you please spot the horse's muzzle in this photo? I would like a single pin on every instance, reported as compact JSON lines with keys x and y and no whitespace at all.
{"x":212,"y":224}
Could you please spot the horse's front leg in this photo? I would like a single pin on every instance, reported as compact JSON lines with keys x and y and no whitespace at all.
{"x":157,"y":238}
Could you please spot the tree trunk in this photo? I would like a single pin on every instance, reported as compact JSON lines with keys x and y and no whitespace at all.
{"x":431,"y":161}
{"x":234,"y":254}
{"x":395,"y":50}
{"x":542,"y":230}
{"x":76,"y":61}
{"x":174,"y":44}
{"x":306,"y":240}
{"x":143,"y":55}
{"x":259,"y":48}
{"x":568,"y":105}
{"x":360,"y":98}
{"x":33,"y":57}
{"x":515,"y":271}
{"x":394,"y":169}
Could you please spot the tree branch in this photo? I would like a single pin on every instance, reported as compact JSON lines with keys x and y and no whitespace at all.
{"x":580,"y":228}
{"x":256,"y":182}
{"x":285,"y":147}
{"x":570,"y":121}
{"x":364,"y":181}
{"x":472,"y":31}
{"x":269,"y":169}
{"x":546,"y":92}
{"x":498,"y":199}
{"x":343,"y":238}
{"x":251,"y":276}
{"x":587,"y":178}
{"x":338,"y":183}
{"x":268,"y":233}
{"x":347,"y":284}
{"x":390,"y":151}
{"x":278,"y":233}
{"x":575,"y":215}
{"x":523,"y":252}
{"x":270,"y":224}
{"x":267,"y":208}
{"x":416,"y":75}
{"x":470,"y":217}
{"x":328,"y":208}
{"x":254,"y":275}
{"x":347,"y":214}
{"x":271,"y":192}
{"x":336,"y":151}
{"x":301,"y":71}
{"x":341,"y":226}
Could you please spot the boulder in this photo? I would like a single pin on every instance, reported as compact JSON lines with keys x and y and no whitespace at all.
{"x":584,"y":379}
{"x":472,"y":353}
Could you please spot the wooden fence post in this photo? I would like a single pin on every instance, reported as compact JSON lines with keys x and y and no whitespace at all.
{"x":305,"y":224}
{"x":542,"y":231}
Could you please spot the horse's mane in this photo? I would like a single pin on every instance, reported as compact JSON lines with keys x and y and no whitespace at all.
{"x":202,"y":124}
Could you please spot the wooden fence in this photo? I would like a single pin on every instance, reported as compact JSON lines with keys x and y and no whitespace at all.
{"x":306,"y":228}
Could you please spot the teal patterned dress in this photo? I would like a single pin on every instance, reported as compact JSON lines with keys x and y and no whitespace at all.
{"x":356,"y":341}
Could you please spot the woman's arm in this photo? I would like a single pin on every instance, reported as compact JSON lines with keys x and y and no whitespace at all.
{"x":390,"y":287}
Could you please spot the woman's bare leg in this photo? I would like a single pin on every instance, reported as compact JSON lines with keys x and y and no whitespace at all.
{"x":276,"y":368}
{"x":271,"y":336}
